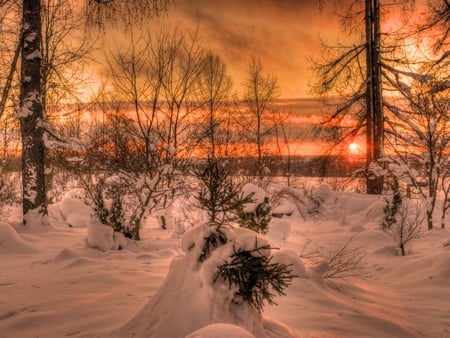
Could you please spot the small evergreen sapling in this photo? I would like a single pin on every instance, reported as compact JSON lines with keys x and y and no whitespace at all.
{"x":249,"y":269}
{"x":255,"y":276}
{"x":100,"y":209}
{"x":116,"y":215}
{"x":218,"y":195}
{"x":392,"y":207}
{"x":113,"y":216}
{"x":258,"y":219}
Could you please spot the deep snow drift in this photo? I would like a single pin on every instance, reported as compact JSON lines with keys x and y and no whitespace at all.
{"x":53,"y":284}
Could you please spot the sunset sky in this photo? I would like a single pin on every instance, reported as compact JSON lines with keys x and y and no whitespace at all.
{"x":283,"y":33}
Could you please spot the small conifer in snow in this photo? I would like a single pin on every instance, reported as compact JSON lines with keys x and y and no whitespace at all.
{"x":247,"y":266}
{"x":392,"y":207}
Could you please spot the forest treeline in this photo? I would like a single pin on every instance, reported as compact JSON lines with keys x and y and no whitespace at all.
{"x":166,"y":97}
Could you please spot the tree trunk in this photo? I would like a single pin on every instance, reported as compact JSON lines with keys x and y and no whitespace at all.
{"x":30,"y":113}
{"x":374,"y":100}
{"x":10,"y":77}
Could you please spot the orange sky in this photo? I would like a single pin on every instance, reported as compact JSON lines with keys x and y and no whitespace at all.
{"x":285,"y":34}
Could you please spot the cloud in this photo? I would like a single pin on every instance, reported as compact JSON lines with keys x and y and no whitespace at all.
{"x":282,"y":33}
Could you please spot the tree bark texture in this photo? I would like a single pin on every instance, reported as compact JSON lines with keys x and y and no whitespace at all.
{"x":374,"y":100}
{"x":30,"y":111}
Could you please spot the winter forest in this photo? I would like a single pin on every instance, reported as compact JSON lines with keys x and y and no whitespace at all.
{"x":204,"y":169}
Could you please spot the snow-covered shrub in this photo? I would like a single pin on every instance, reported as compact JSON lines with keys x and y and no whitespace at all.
{"x":307,"y":201}
{"x":392,"y":206}
{"x":207,"y":295}
{"x":9,"y":189}
{"x":103,"y":237}
{"x":73,"y":209}
{"x":256,"y":213}
{"x":321,"y":193}
{"x":245,"y":264}
{"x":279,"y":230}
{"x":113,"y":215}
{"x":254,"y":276}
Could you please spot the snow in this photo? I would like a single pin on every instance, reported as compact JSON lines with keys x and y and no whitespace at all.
{"x":36,"y":54}
{"x":25,"y":109}
{"x":53,"y":283}
{"x":73,"y":209}
{"x":256,"y":195}
{"x":221,"y":331}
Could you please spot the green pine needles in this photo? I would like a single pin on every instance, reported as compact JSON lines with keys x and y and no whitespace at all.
{"x":249,"y":269}
{"x":215,"y":239}
{"x":257,"y":220}
{"x":392,"y":207}
{"x":218,"y":195}
{"x":257,"y":279}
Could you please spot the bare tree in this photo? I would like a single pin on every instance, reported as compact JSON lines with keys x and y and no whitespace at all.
{"x":437,"y":23}
{"x":30,"y":106}
{"x":184,"y":57}
{"x":65,"y":49}
{"x":213,"y":92}
{"x":157,"y":78}
{"x":354,"y":73}
{"x":284,"y":136}
{"x":410,"y":218}
{"x":420,"y":124}
{"x":445,"y":186}
{"x":260,"y":92}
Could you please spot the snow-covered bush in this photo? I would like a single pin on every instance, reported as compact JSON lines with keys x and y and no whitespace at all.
{"x":254,"y":276}
{"x":224,"y":275}
{"x":392,"y":206}
{"x":9,"y":189}
{"x":103,"y":237}
{"x":73,"y":209}
{"x":308,"y":202}
{"x":113,"y":215}
{"x":245,"y":264}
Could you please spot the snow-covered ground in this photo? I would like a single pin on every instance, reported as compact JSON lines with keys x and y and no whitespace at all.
{"x":52,"y":284}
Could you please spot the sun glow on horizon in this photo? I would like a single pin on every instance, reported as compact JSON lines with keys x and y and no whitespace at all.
{"x":354,"y":148}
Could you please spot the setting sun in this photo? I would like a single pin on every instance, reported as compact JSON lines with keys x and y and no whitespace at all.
{"x":353,"y":147}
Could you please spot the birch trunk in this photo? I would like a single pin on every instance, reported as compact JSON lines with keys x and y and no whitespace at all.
{"x":31,"y":115}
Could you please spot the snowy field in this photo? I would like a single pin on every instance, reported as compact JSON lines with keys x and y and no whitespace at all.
{"x":52,"y":284}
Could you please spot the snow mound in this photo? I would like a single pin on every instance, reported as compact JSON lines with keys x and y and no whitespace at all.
{"x":279,"y":230}
{"x":256,"y":194}
{"x":221,"y":330}
{"x":103,"y":237}
{"x":191,"y":299}
{"x":10,"y":241}
{"x":291,"y":259}
{"x":323,"y":192}
{"x":74,"y":211}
